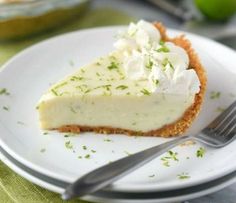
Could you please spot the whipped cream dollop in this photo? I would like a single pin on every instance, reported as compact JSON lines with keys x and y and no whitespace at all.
{"x":146,"y":57}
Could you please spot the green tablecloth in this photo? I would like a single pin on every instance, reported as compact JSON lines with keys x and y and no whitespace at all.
{"x":14,"y":188}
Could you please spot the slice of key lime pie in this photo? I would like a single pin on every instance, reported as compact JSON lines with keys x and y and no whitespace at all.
{"x":150,"y":85}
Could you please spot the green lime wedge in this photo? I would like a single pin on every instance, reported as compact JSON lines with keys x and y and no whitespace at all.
{"x":217,"y":9}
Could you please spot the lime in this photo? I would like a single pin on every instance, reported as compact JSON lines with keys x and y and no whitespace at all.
{"x":217,"y":9}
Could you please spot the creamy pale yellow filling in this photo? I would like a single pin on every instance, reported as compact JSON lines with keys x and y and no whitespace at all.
{"x":143,"y":113}
{"x":101,"y":95}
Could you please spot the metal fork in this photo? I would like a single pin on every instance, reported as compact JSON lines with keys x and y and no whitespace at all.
{"x":217,"y":134}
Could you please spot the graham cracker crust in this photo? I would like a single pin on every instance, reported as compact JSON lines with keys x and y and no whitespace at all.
{"x":170,"y":130}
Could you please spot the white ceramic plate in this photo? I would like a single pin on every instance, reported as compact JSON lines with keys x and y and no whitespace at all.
{"x":113,"y":197}
{"x":29,"y":74}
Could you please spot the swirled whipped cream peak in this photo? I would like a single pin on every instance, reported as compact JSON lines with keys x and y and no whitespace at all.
{"x":146,"y":57}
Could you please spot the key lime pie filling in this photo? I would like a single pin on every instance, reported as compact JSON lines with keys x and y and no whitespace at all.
{"x":148,"y":85}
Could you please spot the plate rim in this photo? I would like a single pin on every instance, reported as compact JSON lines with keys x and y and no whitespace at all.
{"x":55,"y":188}
{"x":48,"y":172}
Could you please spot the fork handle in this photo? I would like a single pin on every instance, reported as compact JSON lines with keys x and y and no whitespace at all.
{"x":107,"y":174}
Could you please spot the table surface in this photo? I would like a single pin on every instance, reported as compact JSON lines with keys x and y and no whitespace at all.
{"x":142,"y":10}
